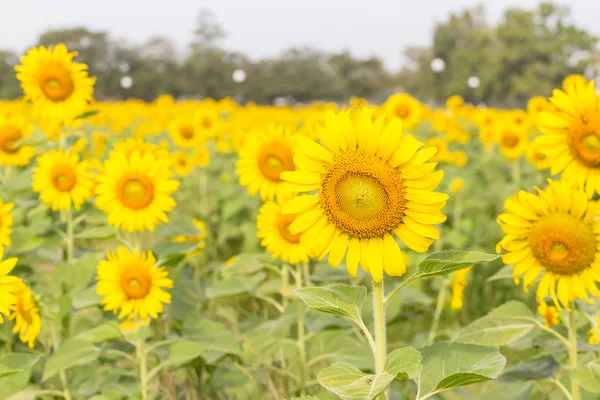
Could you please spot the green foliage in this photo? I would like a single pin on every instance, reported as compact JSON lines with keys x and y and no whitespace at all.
{"x":13,"y":363}
{"x":588,"y":376}
{"x":340,"y":299}
{"x":451,"y":260}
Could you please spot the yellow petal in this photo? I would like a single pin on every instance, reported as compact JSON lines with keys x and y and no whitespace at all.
{"x":393,"y":260}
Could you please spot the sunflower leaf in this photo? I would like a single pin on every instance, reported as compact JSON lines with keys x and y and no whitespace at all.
{"x":336,"y":299}
{"x":448,"y":261}
{"x":13,"y":363}
{"x":588,"y":376}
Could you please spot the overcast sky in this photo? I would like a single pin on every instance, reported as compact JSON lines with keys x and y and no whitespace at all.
{"x":263,"y":28}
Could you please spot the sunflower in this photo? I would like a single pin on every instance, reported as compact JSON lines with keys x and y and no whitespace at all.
{"x":459,"y":284}
{"x":572,"y":136}
{"x":273,"y":229}
{"x":404,"y":107}
{"x":459,"y":158}
{"x":208,"y":122}
{"x":550,"y":314}
{"x":572,"y":81}
{"x":182,"y":163}
{"x":594,"y":332}
{"x":59,"y":88}
{"x":130,"y":282}
{"x":442,"y":153}
{"x":372,"y":182}
{"x":536,"y":105}
{"x":186,"y":134}
{"x":457,"y":185}
{"x":201,"y":156}
{"x":8,"y":285}
{"x":455,"y":103}
{"x":555,"y":233}
{"x":26,"y":314}
{"x":6,"y":221}
{"x":537,"y":156}
{"x":135,"y":191}
{"x":513,"y":140}
{"x":202,"y":233}
{"x":264,"y":156}
{"x":130,"y":145}
{"x":12,"y":129}
{"x":61,"y":179}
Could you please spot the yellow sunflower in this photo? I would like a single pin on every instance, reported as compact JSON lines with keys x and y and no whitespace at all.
{"x":201,"y":156}
{"x":182,"y":163}
{"x":459,"y":284}
{"x":273,"y":229}
{"x":512,"y":140}
{"x":550,"y":314}
{"x":372,"y":183}
{"x":202,"y":233}
{"x":6,"y":221}
{"x":263,"y":157}
{"x":8,"y":285}
{"x":12,"y":129}
{"x":536,"y":105}
{"x":186,"y":134}
{"x":573,"y":80}
{"x":61,"y":179}
{"x":59,"y":88}
{"x":457,"y":185}
{"x":555,"y":233}
{"x":455,"y":103}
{"x":572,"y":136}
{"x":404,"y":107}
{"x":135,"y":191}
{"x":26,"y":314}
{"x":594,"y":332}
{"x":442,"y":153}
{"x":131,"y":283}
{"x":537,"y":156}
{"x":130,"y":145}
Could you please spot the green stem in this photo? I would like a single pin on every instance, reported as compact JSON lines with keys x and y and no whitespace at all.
{"x":390,"y":296}
{"x":301,"y":339}
{"x":380,"y":339}
{"x":438,"y":312}
{"x":69,"y":234}
{"x":306,"y":271}
{"x":141,"y":358}
{"x":61,"y":373}
{"x":285,"y":283}
{"x":516,"y":173}
{"x":573,"y":353}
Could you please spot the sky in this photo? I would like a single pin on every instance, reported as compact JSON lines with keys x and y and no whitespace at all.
{"x":263,"y":28}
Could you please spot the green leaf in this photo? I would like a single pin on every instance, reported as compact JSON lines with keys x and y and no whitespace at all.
{"x":78,"y":274}
{"x":184,"y":352}
{"x":505,"y":272}
{"x":87,"y":114}
{"x":35,"y":138}
{"x":404,"y":363}
{"x":448,"y":365}
{"x":541,"y":367}
{"x":448,"y":261}
{"x":101,"y":333}
{"x":73,"y":352}
{"x":86,"y":298}
{"x":304,"y":398}
{"x":18,"y":182}
{"x":96,"y":232}
{"x":169,"y":249}
{"x":503,"y":325}
{"x":513,"y":391}
{"x":588,"y":376}
{"x":234,"y":286}
{"x":14,"y":385}
{"x":13,"y":363}
{"x":336,"y":299}
{"x":350,"y":383}
{"x":218,"y":339}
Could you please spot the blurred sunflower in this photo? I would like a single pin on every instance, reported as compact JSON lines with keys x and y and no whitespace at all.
{"x":182,"y":163}
{"x":555,"y":233}
{"x":572,"y":136}
{"x":12,"y":129}
{"x":459,"y":158}
{"x":59,"y":88}
{"x":512,"y":140}
{"x":371,"y":182}
{"x":6,"y":221}
{"x":132,"y":284}
{"x":201,"y":156}
{"x":135,"y":191}
{"x":26,"y":314}
{"x":459,"y":284}
{"x":537,"y":156}
{"x":404,"y":107}
{"x":264,"y":156}
{"x":202,"y":233}
{"x":441,"y":145}
{"x":186,"y":134}
{"x":457,"y":185}
{"x":8,"y":285}
{"x":536,"y":105}
{"x":550,"y":314}
{"x":273,"y":229}
{"x":455,"y":103}
{"x":61,"y":179}
{"x":130,"y":145}
{"x":594,"y":333}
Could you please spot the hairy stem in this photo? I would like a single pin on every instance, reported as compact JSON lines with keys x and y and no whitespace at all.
{"x":380,"y":339}
{"x":573,"y":353}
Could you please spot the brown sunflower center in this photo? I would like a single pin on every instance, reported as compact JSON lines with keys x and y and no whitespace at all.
{"x":510,"y":139}
{"x":186,"y":131}
{"x":8,"y":137}
{"x":362,"y":195}
{"x":402,"y":111}
{"x":135,"y":191}
{"x":63,"y":178}
{"x":584,"y":140}
{"x":563,"y":244}
{"x":275,"y":158}
{"x":136,"y":282}
{"x":23,"y":309}
{"x":284,"y":228}
{"x":540,"y":156}
{"x":206,"y":122}
{"x":56,"y":82}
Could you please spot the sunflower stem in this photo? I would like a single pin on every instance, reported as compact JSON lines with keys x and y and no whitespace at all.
{"x":69,"y":235}
{"x":141,"y":356}
{"x":516,"y":173}
{"x":380,"y":339}
{"x":61,"y":373}
{"x":573,"y":353}
{"x":301,"y":338}
{"x":285,"y":283}
{"x":439,"y":307}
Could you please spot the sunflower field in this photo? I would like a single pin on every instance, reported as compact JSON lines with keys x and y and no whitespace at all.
{"x":213,"y":250}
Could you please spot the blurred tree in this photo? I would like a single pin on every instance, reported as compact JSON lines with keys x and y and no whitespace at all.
{"x":9,"y":86}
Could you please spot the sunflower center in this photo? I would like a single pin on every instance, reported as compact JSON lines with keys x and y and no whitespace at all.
{"x":274,"y":159}
{"x":584,"y":140}
{"x":8,"y":138}
{"x":563,"y":244}
{"x":23,"y":310}
{"x":206,"y":122}
{"x":510,"y":140}
{"x":362,"y":195}
{"x":63,"y":178}
{"x":284,"y":228}
{"x":540,"y":156}
{"x":136,"y":282}
{"x":186,"y":131}
{"x":136,"y":191}
{"x":402,"y":111}
{"x":56,"y":83}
